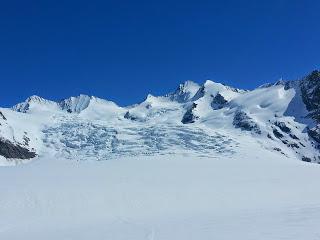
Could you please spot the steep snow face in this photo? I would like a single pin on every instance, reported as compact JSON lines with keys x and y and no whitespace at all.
{"x":185,"y":92}
{"x":296,"y":107}
{"x":265,"y":103}
{"x":75,"y":104}
{"x":100,"y":109}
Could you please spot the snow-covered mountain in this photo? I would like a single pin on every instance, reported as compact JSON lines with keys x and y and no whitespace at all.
{"x":204,"y":120}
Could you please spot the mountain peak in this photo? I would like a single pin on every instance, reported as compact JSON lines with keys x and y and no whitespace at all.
{"x":208,"y":83}
{"x":185,"y":91}
{"x":211,"y":89}
{"x":189,"y":84}
{"x":32,"y":101}
{"x":35,"y":98}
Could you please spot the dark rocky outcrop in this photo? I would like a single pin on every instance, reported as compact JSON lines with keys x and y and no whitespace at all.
{"x":293,"y":145}
{"x":11,"y":150}
{"x":244,"y":122}
{"x":26,"y":140}
{"x":184,"y":92}
{"x":279,"y":150}
{"x":199,"y":94}
{"x":310,"y":90}
{"x":306,"y":159}
{"x":293,"y":136}
{"x":130,"y":116}
{"x":283,"y":127}
{"x":314,"y":133}
{"x":310,"y":93}
{"x":277,"y":134}
{"x":2,"y":116}
{"x":218,"y":102}
{"x":189,"y":116}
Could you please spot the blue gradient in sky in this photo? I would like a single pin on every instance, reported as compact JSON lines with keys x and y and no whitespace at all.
{"x":122,"y":50}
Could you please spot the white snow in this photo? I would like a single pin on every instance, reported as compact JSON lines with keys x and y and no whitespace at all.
{"x":250,"y":196}
{"x":75,"y":104}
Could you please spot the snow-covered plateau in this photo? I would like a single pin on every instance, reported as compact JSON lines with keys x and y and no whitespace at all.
{"x":204,"y":162}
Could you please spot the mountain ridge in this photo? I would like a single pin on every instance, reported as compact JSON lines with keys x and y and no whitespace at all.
{"x":283,"y":117}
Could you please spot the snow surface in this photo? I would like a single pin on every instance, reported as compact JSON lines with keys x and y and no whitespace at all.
{"x":250,"y":196}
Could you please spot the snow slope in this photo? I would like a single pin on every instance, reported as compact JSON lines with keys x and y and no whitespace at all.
{"x":250,"y":196}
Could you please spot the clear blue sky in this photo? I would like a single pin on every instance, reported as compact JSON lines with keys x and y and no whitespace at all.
{"x":122,"y":50}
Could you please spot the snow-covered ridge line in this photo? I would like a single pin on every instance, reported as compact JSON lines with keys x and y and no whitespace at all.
{"x":71,"y":104}
{"x":283,"y":117}
{"x":186,"y":91}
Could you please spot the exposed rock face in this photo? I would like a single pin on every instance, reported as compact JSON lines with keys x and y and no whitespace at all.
{"x":199,"y":94}
{"x":244,"y":122}
{"x":2,"y":116}
{"x":314,"y":133}
{"x":11,"y":150}
{"x":277,"y":134}
{"x":218,"y":102}
{"x":189,"y":116}
{"x":310,"y":91}
{"x":185,"y":92}
{"x":306,"y":159}
{"x":283,"y":127}
{"x":129,"y":116}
